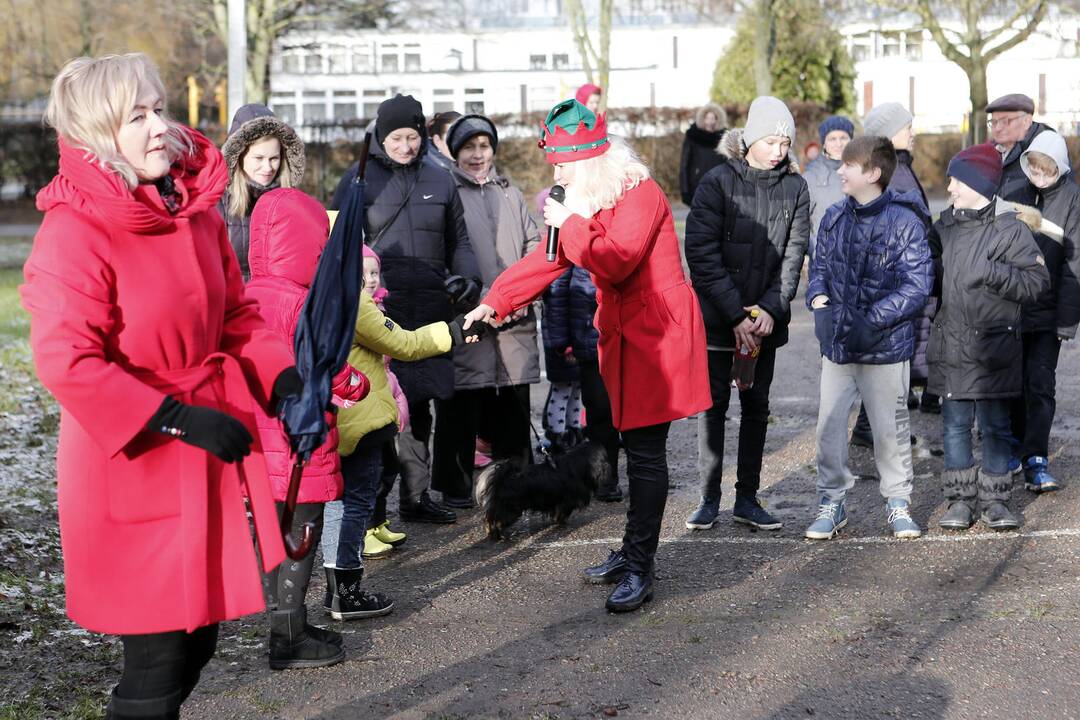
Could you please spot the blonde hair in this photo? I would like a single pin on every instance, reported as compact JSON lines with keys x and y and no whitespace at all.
{"x":239,"y":192}
{"x":1042,"y":163}
{"x":91,"y":99}
{"x":600,"y":182}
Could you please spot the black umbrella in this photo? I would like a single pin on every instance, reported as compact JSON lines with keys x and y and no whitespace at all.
{"x":324,"y":335}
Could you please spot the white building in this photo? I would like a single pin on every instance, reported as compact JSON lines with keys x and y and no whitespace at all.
{"x":897,"y":62}
{"x":324,"y":75}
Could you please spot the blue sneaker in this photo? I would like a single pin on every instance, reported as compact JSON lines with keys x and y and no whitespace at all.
{"x":748,"y":511}
{"x":831,"y":517}
{"x":705,"y":516}
{"x":1015,"y":466}
{"x":1037,"y":475}
{"x":900,"y":521}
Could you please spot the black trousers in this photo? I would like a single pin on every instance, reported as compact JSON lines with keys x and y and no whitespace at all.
{"x":598,"y":426}
{"x":285,"y":587}
{"x":413,"y":452}
{"x":1032,"y":413}
{"x":647,"y":477}
{"x":755,"y":421}
{"x":500,"y":414}
{"x":160,"y":671}
{"x":391,"y":468}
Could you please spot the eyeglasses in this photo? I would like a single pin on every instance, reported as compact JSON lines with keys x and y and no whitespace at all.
{"x":1003,"y":122}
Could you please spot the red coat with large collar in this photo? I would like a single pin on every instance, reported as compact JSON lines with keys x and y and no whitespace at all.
{"x":129,"y":304}
{"x":652,"y":338}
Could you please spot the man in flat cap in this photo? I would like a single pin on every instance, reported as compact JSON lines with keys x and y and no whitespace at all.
{"x":1012,"y":128}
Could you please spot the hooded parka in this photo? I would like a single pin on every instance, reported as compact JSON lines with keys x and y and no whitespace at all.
{"x":700,"y":152}
{"x":501,"y":232}
{"x":1015,"y":186}
{"x":130,"y":304}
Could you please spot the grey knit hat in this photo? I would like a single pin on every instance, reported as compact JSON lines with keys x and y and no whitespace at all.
{"x":886,"y":120}
{"x":467,"y":127}
{"x":768,"y":116}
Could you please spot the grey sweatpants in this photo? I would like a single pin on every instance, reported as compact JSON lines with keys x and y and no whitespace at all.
{"x":883,"y":389}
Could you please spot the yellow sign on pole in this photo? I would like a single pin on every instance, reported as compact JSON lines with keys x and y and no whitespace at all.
{"x":221,"y":95}
{"x":194,"y":95}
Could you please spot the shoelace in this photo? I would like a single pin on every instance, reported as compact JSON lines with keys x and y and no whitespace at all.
{"x":827,"y":512}
{"x":899,"y":513}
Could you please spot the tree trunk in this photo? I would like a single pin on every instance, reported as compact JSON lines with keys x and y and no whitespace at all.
{"x":977,"y":79}
{"x":604,"y":61}
{"x":260,"y":46}
{"x":764,"y":40}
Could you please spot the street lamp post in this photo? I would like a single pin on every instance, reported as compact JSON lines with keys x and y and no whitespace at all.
{"x":237,"y":54}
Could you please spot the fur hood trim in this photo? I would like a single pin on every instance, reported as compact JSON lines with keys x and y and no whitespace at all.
{"x":259,"y":127}
{"x":721,"y":115}
{"x":731,"y":147}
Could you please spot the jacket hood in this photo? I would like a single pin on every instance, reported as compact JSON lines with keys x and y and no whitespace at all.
{"x":732,"y":147}
{"x":912,"y":200}
{"x":721,"y":116}
{"x":257,"y":125}
{"x":704,"y":137}
{"x":87,"y":187}
{"x":288,"y":233}
{"x":1051,"y":144}
{"x":824,"y":161}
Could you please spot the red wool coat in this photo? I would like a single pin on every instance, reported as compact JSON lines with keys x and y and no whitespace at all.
{"x":129,"y":304}
{"x":652,"y":338}
{"x":288,"y":233}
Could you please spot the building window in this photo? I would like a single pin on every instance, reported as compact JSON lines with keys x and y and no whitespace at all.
{"x":860,"y":52}
{"x":890,"y":46}
{"x":474,"y":101}
{"x":389,"y":63}
{"x":314,"y":112}
{"x":361,"y":61}
{"x":371,"y":109}
{"x":313,"y":64}
{"x":560,"y":61}
{"x":344,"y":111}
{"x":286,"y":112}
{"x":291,"y":64}
{"x":412,"y":62}
{"x":444,"y":100}
{"x":337,"y":59}
{"x":914,"y":46}
{"x":538,"y":62}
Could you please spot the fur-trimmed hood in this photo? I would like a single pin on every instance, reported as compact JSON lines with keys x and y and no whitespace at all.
{"x":257,"y":121}
{"x":721,"y":115}
{"x":732,"y":147}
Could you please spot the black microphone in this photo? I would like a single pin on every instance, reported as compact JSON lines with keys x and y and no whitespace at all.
{"x":558,"y":194}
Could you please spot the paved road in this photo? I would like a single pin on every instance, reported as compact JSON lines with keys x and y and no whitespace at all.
{"x":744,"y":624}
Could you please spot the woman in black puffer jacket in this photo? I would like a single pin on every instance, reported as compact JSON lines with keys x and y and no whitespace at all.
{"x":415,"y":221}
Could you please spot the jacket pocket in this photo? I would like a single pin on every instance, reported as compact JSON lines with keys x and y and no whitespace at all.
{"x":144,"y":481}
{"x":823,"y":327}
{"x":996,"y":348}
{"x":862,"y":336}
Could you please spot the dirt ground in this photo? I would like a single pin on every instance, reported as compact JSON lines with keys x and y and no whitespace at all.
{"x":744,"y":624}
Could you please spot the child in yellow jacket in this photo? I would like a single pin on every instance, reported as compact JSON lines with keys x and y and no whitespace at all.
{"x":364,"y":430}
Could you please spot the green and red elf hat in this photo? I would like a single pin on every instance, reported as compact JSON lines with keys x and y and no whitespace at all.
{"x":572,"y":132}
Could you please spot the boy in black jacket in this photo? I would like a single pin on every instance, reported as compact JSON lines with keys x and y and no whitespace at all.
{"x":988,"y":265}
{"x":1053,"y":317}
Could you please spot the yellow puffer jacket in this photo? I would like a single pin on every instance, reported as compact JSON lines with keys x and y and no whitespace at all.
{"x":376,"y":336}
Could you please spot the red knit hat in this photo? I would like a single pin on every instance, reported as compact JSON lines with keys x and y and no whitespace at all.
{"x":586,"y":91}
{"x":573,"y":132}
{"x":978,"y":167}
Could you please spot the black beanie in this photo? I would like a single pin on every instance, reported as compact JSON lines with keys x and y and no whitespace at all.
{"x":468,"y":127}
{"x":400,"y":111}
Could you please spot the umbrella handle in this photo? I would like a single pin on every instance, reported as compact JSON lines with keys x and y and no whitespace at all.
{"x":295,"y":549}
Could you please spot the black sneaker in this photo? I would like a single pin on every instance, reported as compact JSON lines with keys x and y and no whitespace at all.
{"x":748,"y":511}
{"x":611,"y":570}
{"x":350,"y":602}
{"x":426,"y":511}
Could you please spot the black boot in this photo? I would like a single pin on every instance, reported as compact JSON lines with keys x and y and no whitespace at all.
{"x":930,"y":403}
{"x":426,"y":511}
{"x":293,"y":646}
{"x":630,"y":594}
{"x":912,"y":399}
{"x":350,"y":602}
{"x":960,"y":492}
{"x":994,"y":492}
{"x":609,"y":571}
{"x":163,"y":708}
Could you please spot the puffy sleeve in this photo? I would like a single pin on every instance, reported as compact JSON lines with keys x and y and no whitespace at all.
{"x":377,"y":332}
{"x":261,"y":352}
{"x":69,"y":292}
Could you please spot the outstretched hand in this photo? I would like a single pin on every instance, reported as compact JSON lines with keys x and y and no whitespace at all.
{"x":481,"y":313}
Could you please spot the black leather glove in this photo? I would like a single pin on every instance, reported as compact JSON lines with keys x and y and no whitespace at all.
{"x":288,"y":383}
{"x":211,"y":430}
{"x":464,"y":293}
{"x":459,"y":334}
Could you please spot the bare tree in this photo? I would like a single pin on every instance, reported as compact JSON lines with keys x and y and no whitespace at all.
{"x":975,"y":45}
{"x":595,"y":58}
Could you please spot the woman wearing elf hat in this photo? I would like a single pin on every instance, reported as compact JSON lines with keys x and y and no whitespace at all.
{"x":617,"y":224}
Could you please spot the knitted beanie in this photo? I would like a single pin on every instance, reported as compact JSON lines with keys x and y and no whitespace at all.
{"x":400,"y":111}
{"x":768,"y":116}
{"x":886,"y":120}
{"x":835,"y":122}
{"x":978,"y":167}
{"x":467,"y":127}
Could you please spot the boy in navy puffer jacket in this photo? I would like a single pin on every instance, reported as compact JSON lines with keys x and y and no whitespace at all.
{"x":869,"y":281}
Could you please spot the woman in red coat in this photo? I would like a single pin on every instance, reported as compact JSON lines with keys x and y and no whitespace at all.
{"x":616,"y":223}
{"x":141,"y":330}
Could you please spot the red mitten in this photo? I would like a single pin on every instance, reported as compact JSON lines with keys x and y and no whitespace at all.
{"x":349,"y":387}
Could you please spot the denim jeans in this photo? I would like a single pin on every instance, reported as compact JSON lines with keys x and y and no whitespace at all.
{"x":957,"y":419}
{"x":345,"y":522}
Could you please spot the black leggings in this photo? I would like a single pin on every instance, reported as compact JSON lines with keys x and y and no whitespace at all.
{"x":160,"y":671}
{"x":285,"y":587}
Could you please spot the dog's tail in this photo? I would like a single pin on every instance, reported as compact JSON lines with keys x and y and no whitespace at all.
{"x":484,"y":489}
